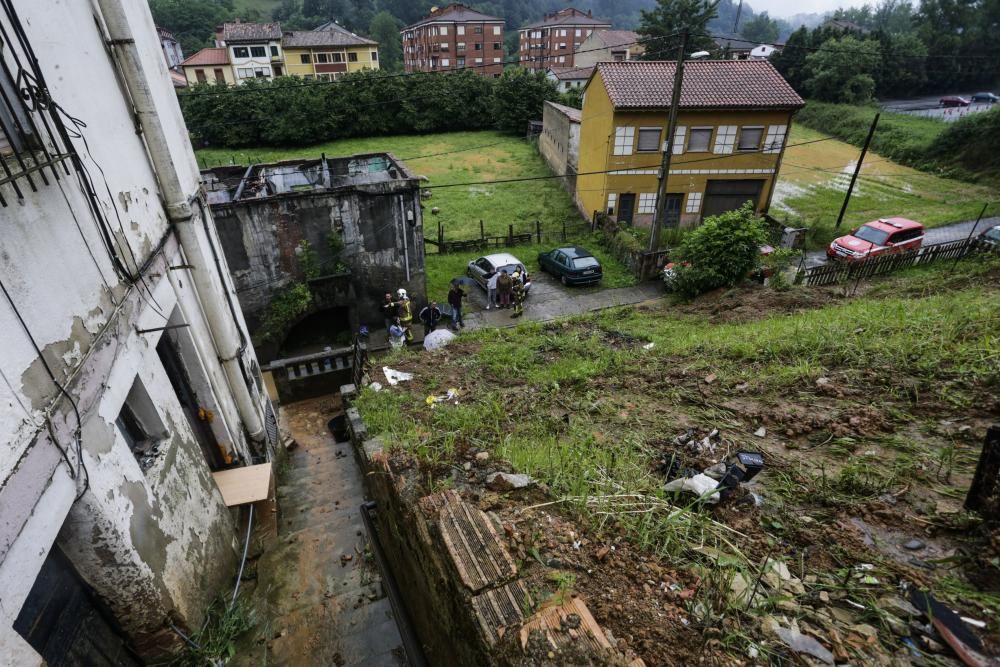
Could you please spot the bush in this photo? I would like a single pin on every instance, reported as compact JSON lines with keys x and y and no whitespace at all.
{"x":719,"y":253}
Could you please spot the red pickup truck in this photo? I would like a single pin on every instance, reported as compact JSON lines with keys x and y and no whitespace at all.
{"x":879,"y":237}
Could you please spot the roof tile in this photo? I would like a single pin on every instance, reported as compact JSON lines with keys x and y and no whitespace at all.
{"x":239,"y":31}
{"x":721,"y":84}
{"x":208,"y":57}
{"x":455,"y":12}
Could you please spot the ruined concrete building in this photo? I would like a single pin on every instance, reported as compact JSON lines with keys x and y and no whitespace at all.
{"x":348,"y":228}
{"x":126,"y":372}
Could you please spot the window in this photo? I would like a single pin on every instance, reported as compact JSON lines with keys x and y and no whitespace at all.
{"x":374,"y":56}
{"x":649,"y":139}
{"x":496,"y":30}
{"x":497,"y":46}
{"x":775,"y":138}
{"x":647,"y":203}
{"x":478,"y":47}
{"x":337,"y":57}
{"x":612,"y":200}
{"x":693,"y":202}
{"x":750,"y":138}
{"x":245,"y":72}
{"x":725,"y":139}
{"x":562,"y":59}
{"x":496,"y":60}
{"x":352,"y":57}
{"x":241,"y":52}
{"x":322,"y":58}
{"x":478,"y":30}
{"x":460,"y":47}
{"x":700,"y":139}
{"x":460,"y":30}
{"x":140,"y":425}
{"x":679,"y":134}
{"x":220,"y":76}
{"x":258,"y":52}
{"x":200,"y":75}
{"x":579,"y":32}
{"x":444,"y":30}
{"x":460,"y":62}
{"x":323,"y":77}
{"x":261,"y":72}
{"x":479,"y":61}
{"x":305,"y":58}
{"x":274,"y":51}
{"x":562,"y":45}
{"x":624,"y":137}
{"x":444,"y":62}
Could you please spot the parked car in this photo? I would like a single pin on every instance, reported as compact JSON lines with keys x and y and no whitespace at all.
{"x":988,"y":98}
{"x":572,"y":265}
{"x":991,"y":237}
{"x":879,"y":237}
{"x":483,"y":268}
{"x":954,"y":101}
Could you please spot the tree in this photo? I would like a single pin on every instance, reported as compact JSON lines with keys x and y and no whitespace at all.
{"x":761,"y":29}
{"x":518,"y":97}
{"x":384,"y":29}
{"x":572,"y":98}
{"x":192,"y":21}
{"x":669,"y":18}
{"x":720,"y":252}
{"x":843,"y":70}
{"x":791,"y":60}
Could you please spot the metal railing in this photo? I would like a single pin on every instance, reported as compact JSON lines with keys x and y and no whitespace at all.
{"x":34,"y":144}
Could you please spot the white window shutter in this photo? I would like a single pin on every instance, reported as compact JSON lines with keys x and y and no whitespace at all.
{"x":680,"y":133}
{"x":775,"y":139}
{"x":725,"y":139}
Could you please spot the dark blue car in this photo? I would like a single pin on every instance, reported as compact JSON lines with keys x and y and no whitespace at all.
{"x":573,"y":266}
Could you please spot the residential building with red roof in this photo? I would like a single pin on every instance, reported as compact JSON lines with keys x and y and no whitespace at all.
{"x":732,"y":123}
{"x":552,"y":42}
{"x":209,"y":66}
{"x":454,"y":37}
{"x":254,"y":49}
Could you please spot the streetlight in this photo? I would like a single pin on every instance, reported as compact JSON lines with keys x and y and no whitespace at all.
{"x":661,"y":190}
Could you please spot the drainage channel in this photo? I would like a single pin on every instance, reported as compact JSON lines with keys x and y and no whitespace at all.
{"x":411,"y":643}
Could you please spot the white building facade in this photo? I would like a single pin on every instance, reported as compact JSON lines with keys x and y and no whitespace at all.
{"x":125,"y":372}
{"x":255,"y":50}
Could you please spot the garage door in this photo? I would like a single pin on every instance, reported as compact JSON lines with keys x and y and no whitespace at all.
{"x":722,"y":196}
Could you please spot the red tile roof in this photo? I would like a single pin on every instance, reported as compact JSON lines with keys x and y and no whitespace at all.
{"x":456,"y":12}
{"x":616,"y":38}
{"x":208,"y":57}
{"x":708,"y":84}
{"x":238,"y":31}
{"x":571,"y":73}
{"x":568,"y":17}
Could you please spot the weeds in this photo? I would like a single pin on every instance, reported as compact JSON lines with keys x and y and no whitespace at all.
{"x":224,"y":624}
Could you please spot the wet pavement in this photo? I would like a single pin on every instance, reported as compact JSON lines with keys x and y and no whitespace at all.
{"x":325,"y":598}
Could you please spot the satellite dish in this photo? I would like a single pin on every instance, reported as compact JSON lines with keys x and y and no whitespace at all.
{"x":699,"y":54}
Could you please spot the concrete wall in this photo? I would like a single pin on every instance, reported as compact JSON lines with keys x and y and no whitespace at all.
{"x":382,"y":249}
{"x":690,"y":171}
{"x":155,"y":544}
{"x":559,"y":143}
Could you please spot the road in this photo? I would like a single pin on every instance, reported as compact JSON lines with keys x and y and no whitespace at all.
{"x":928,"y":107}
{"x":953,"y":232}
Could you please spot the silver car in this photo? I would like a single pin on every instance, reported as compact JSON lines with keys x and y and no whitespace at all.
{"x":483,"y":268}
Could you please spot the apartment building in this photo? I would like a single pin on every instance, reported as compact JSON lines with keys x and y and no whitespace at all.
{"x":254,"y":49}
{"x":328,"y":52}
{"x":553,"y":41}
{"x":454,"y":37}
{"x":125,"y":377}
{"x":607,"y":46}
{"x":731,"y":128}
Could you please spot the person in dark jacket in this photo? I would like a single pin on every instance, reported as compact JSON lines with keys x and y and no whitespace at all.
{"x":505,"y":288}
{"x":430,"y":316}
{"x":455,"y":296}
{"x":390,"y":310}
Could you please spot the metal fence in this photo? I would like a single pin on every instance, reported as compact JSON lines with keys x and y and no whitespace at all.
{"x":538,"y":233}
{"x":841,"y":272}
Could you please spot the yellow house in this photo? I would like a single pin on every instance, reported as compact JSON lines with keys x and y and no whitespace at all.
{"x":732,"y":123}
{"x":328,"y":52}
{"x":209,"y":66}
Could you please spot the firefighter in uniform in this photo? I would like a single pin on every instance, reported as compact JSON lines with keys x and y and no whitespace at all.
{"x":405,"y":313}
{"x":518,"y":294}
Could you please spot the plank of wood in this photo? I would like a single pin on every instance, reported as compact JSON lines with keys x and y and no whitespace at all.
{"x":240,"y":486}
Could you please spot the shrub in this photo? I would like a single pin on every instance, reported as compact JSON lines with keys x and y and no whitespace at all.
{"x":719,"y":253}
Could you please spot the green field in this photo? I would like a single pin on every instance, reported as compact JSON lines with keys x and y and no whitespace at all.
{"x":814,"y":178}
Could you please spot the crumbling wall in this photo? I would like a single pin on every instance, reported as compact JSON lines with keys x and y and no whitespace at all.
{"x":378,"y":226}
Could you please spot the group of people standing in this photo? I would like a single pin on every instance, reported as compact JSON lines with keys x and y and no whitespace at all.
{"x":507,"y":290}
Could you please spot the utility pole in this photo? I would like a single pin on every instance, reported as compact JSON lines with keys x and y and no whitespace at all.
{"x":857,"y":170}
{"x":661,"y":190}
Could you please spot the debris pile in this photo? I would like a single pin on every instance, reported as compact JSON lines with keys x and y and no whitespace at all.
{"x":704,"y":464}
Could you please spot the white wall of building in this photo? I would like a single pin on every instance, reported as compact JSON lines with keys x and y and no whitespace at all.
{"x":152,"y":543}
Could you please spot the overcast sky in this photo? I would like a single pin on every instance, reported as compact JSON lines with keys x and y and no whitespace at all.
{"x":788,"y":8}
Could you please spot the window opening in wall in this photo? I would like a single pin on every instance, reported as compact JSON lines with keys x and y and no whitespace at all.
{"x":141,"y":426}
{"x":699,"y":139}
{"x":241,"y":52}
{"x":258,"y":51}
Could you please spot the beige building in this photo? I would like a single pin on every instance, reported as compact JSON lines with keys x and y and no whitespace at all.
{"x":209,"y":66}
{"x":328,"y":52}
{"x":607,"y":46}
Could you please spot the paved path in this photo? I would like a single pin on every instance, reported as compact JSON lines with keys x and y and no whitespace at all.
{"x":325,"y":609}
{"x":549,"y":299}
{"x":954,"y":232}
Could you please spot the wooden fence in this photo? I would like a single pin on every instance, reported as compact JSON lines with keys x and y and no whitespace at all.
{"x":842,"y":272}
{"x":540,"y":234}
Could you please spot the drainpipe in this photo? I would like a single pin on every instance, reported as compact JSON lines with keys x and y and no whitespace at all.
{"x":184,"y":219}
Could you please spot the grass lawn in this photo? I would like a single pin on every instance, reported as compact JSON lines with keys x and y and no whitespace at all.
{"x":814,"y":178}
{"x":496,"y":156}
{"x":584,"y":407}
